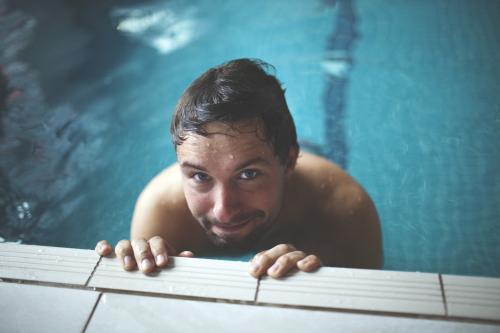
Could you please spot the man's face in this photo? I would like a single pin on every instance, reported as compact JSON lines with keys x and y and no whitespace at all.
{"x":233,"y":182}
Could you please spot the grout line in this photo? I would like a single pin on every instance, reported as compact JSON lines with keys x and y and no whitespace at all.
{"x":263,"y":304}
{"x":92,"y":313}
{"x":443,"y":294}
{"x":257,"y":290}
{"x":93,"y":271}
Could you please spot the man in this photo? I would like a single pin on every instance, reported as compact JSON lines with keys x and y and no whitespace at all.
{"x":240,"y":184}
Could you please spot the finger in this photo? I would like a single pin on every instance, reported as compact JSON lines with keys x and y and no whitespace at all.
{"x":263,"y":260}
{"x":125,"y":254}
{"x":187,"y":254}
{"x":159,"y":251}
{"x":285,"y":263}
{"x":309,"y":263}
{"x":103,"y":248}
{"x":143,"y":255}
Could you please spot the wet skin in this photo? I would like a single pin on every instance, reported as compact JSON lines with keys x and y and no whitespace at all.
{"x":229,"y":190}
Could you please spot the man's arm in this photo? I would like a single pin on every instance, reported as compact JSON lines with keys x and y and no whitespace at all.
{"x":162,"y":226}
{"x":356,"y":234}
{"x":341,"y":227}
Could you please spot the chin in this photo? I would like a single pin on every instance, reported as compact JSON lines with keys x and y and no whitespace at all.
{"x":246,"y":241}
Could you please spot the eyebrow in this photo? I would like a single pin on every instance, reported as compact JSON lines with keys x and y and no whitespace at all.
{"x":257,"y":160}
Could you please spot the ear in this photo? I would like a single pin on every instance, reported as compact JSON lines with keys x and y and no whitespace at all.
{"x":291,"y":160}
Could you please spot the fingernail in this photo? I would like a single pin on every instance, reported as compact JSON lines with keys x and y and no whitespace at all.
{"x":160,"y":259}
{"x":146,"y":264}
{"x":305,"y":261}
{"x":128,"y":261}
{"x":274,"y":268}
{"x":255,"y":267}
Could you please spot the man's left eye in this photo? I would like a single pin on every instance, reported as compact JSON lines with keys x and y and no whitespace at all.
{"x":248,"y":174}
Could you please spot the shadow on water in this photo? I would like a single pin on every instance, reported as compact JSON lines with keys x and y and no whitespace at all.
{"x":337,"y":64}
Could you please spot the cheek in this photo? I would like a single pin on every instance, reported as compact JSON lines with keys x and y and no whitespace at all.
{"x":199,"y":204}
{"x":268,"y":196}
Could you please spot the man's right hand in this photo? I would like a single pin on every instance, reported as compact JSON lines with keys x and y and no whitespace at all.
{"x":145,"y":254}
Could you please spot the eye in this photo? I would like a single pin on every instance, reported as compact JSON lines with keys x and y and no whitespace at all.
{"x":249,"y":174}
{"x":200,"y":177}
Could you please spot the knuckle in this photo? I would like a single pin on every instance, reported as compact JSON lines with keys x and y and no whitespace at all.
{"x":284,"y":261}
{"x":142,"y":252}
{"x":315,"y":259}
{"x":123,"y":243}
{"x":258,"y":255}
{"x":156,"y":239}
{"x":137,"y":242}
{"x":121,"y":251}
{"x":264,"y":257}
{"x":300,"y":254}
{"x":282,"y":247}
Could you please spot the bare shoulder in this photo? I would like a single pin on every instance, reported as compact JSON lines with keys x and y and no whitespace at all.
{"x":161,"y":210}
{"x":345,"y":213}
{"x":336,"y":188}
{"x":164,"y":187}
{"x":329,"y":180}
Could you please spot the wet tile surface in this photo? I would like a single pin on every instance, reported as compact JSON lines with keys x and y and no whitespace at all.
{"x":359,"y":289}
{"x":183,"y":276}
{"x":473,"y":297}
{"x":31,"y":308}
{"x":127,"y":313}
{"x":46,"y":264}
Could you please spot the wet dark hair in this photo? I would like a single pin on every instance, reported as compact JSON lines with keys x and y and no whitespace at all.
{"x":241,"y":89}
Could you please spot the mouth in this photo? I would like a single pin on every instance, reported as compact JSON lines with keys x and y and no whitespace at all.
{"x":230,"y":228}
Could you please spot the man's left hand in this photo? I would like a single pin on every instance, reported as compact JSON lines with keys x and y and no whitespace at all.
{"x":279,"y":260}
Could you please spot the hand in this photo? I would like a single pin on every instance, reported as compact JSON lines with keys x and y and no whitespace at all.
{"x":149,"y":254}
{"x":279,"y":260}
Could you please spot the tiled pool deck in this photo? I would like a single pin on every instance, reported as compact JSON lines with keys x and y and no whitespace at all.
{"x":47,"y":289}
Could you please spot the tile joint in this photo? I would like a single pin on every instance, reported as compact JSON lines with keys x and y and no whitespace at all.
{"x":92,"y":313}
{"x":93,"y":271}
{"x":257,"y":289}
{"x":443,"y":294}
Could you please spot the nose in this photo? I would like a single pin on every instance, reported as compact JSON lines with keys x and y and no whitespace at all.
{"x":226,"y":203}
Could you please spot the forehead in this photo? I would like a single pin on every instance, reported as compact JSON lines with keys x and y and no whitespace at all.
{"x":235,"y":139}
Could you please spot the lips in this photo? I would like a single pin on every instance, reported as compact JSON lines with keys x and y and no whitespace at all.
{"x":231,"y":227}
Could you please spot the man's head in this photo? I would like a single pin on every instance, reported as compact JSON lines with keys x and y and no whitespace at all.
{"x":236,"y":147}
{"x":237,"y":90}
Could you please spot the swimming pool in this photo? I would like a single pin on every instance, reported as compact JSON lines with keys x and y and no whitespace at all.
{"x":405,"y":95}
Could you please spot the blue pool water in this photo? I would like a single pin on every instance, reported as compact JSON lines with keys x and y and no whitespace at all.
{"x":404,"y":94}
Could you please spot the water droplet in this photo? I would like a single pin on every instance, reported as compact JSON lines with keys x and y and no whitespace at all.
{"x":26,"y":205}
{"x":231,"y":157}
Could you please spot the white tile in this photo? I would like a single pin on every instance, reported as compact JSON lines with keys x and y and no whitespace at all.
{"x":358,"y":289}
{"x":473,"y":297}
{"x":183,"y":276}
{"x":127,"y":313}
{"x":32,"y":308}
{"x":46,"y":264}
